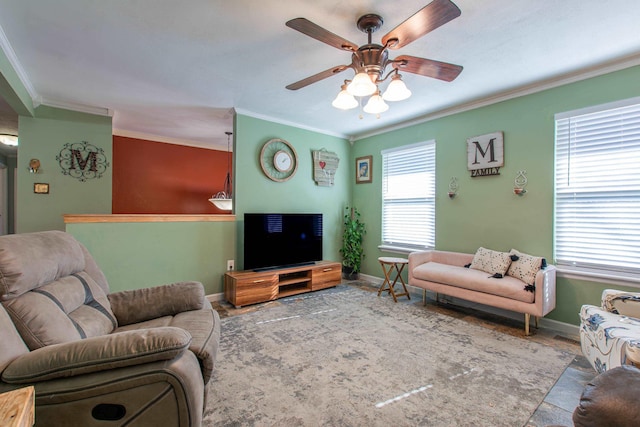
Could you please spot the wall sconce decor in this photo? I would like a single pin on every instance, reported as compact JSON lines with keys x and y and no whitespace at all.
{"x":453,"y":187}
{"x":520,"y":182}
{"x":34,"y":166}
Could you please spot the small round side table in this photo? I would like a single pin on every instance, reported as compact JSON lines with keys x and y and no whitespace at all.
{"x":388,"y":265}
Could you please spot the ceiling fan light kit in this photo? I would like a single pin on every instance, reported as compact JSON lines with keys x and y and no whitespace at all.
{"x":370,"y":61}
{"x":344,"y":100}
{"x":361,"y":85}
{"x":376,"y":105}
{"x":397,"y":90}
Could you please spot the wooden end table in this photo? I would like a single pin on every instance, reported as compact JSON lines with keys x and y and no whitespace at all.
{"x":388,"y":265}
{"x":17,"y":407}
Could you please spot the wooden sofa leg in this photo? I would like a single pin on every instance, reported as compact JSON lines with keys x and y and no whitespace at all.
{"x":424,"y":297}
{"x":527,"y":317}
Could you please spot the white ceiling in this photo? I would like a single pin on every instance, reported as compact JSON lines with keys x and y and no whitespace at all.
{"x":177,"y":69}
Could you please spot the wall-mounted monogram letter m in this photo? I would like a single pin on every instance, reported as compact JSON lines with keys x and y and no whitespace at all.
{"x":82,"y":160}
{"x":485,"y":154}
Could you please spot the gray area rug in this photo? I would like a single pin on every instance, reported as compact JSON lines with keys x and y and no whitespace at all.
{"x":345,"y":357}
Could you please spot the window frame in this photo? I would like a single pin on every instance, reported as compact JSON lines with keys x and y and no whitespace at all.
{"x":402,"y":246}
{"x":575,"y":269}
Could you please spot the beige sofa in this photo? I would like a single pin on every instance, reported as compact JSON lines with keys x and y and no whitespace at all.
{"x":445,"y":273}
{"x":135,"y":358}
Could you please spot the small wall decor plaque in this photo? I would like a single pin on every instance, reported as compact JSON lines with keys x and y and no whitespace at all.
{"x":485,"y":154}
{"x":325,"y":164}
{"x":41,"y":188}
{"x":363,"y":169}
{"x":82,"y":161}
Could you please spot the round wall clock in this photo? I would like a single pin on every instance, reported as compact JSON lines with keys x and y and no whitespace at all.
{"x":278,"y":159}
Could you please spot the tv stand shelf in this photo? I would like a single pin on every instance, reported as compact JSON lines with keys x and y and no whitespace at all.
{"x":252,"y":287}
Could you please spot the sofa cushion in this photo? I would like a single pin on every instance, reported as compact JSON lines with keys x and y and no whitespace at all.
{"x":524,"y":267}
{"x":491,"y":262}
{"x":57,"y":254}
{"x":476,"y":280}
{"x":12,"y":344}
{"x":67,"y":309}
{"x":138,"y":305}
{"x":203,"y":325}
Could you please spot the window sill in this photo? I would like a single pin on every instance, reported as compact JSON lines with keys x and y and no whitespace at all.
{"x":400,"y":249}
{"x":600,"y":276}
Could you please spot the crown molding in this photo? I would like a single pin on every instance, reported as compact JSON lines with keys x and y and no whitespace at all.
{"x":289,"y":123}
{"x":16,"y":65}
{"x":167,"y":140}
{"x":564,"y":79}
{"x":72,"y":106}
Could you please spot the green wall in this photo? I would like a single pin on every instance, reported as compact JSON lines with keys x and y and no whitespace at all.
{"x":43,"y":137}
{"x":486,"y":212}
{"x":135,"y":255}
{"x":138,"y":255}
{"x":254,"y":192}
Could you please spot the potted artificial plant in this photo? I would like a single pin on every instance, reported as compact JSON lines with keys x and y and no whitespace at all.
{"x":352,"y":250}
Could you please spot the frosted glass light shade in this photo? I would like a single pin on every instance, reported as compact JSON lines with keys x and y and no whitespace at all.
{"x":344,"y":100}
{"x":11,"y":140}
{"x":222,"y":200}
{"x":376,"y":105}
{"x":397,"y":90}
{"x":361,"y":85}
{"x":222,"y":204}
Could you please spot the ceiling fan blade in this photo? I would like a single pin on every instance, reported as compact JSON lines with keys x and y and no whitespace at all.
{"x":427,"y":19}
{"x":317,"y":77}
{"x":317,"y":32}
{"x":427,"y":67}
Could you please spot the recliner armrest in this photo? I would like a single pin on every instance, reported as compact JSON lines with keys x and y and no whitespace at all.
{"x":138,"y":305}
{"x":97,"y":354}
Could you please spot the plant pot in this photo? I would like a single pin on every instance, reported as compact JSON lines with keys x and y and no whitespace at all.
{"x":348,"y":273}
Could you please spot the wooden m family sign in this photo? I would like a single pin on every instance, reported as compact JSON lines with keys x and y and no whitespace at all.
{"x":485,"y":154}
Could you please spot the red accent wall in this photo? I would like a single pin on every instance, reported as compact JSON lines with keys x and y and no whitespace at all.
{"x":158,"y":178}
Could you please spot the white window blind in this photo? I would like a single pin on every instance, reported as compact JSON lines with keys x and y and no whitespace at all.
{"x":597,"y":209}
{"x":408,"y":196}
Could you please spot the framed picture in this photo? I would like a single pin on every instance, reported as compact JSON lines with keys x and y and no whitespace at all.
{"x":363,"y":169}
{"x":41,"y":188}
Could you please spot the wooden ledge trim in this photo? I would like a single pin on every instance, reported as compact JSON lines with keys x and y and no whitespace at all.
{"x":98,"y":218}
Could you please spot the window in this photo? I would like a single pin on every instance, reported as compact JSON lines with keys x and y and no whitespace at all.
{"x":408,"y":196}
{"x":597,"y":190}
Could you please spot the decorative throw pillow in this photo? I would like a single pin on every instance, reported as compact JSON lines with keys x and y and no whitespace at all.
{"x":524,"y":267}
{"x":493,"y":262}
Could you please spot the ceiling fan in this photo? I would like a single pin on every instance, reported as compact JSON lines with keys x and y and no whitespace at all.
{"x":370,"y":61}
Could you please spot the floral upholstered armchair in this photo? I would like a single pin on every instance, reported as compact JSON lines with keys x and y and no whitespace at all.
{"x":610,"y":334}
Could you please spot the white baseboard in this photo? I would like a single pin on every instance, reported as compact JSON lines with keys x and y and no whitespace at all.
{"x":216,"y":297}
{"x":564,"y":329}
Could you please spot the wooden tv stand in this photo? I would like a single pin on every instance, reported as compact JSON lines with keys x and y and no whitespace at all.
{"x":251,"y":287}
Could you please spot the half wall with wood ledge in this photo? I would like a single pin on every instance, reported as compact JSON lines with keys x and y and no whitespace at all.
{"x":139,"y":250}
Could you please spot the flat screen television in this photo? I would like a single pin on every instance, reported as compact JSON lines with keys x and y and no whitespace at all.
{"x":276,"y":240}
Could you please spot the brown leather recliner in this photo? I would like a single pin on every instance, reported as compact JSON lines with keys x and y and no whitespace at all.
{"x":140,"y":357}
